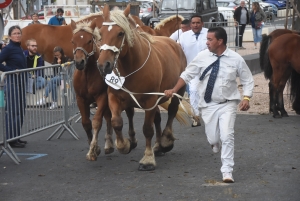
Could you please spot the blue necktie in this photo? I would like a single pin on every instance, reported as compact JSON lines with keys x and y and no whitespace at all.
{"x":212,"y":78}
{"x":197,"y":35}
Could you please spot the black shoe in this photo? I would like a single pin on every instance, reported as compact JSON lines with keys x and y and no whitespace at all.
{"x":22,"y":141}
{"x":16,"y":145}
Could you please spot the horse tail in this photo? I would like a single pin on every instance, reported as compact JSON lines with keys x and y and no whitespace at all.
{"x":263,"y":49}
{"x":295,"y":91}
{"x":182,"y":117}
{"x":265,"y":63}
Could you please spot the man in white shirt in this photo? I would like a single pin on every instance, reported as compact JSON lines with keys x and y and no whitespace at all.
{"x":218,"y":68}
{"x":184,"y":26}
{"x":193,"y":42}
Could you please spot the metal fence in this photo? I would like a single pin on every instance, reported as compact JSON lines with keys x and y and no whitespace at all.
{"x":23,"y":114}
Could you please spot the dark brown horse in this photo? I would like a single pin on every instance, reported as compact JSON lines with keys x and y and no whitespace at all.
{"x":266,"y":41}
{"x":148,"y":66}
{"x":47,"y":36}
{"x":282,"y":60}
{"x":89,"y":88}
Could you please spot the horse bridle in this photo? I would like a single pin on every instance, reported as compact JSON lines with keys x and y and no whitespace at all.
{"x":112,"y":48}
{"x":87,"y":55}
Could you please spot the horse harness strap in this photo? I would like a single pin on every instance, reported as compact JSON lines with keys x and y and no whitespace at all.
{"x":85,"y":52}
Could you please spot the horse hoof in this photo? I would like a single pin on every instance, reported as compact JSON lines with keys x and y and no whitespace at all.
{"x":167,"y":149}
{"x":159,"y":153}
{"x":148,"y":167}
{"x":109,"y":151}
{"x":91,"y":158}
{"x":133,"y":145}
{"x":277,"y":116}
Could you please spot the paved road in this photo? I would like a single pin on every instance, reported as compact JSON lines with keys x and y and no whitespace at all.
{"x":266,"y":155}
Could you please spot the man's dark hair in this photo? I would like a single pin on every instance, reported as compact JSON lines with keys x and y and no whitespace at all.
{"x":185,"y":22}
{"x":60,"y":10}
{"x":34,"y":14}
{"x":220,"y":33}
{"x":196,"y":15}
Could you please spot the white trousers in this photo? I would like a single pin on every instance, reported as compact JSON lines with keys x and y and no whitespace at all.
{"x":219,"y":126}
{"x":194,"y":101}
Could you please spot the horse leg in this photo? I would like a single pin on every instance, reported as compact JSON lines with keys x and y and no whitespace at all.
{"x":279,"y":78}
{"x":109,"y":145}
{"x":85,"y":117}
{"x":157,"y":121}
{"x":131,"y":132}
{"x":147,"y":163}
{"x":95,"y":150}
{"x":167,"y":140}
{"x":123,"y":145}
{"x":271,"y":91}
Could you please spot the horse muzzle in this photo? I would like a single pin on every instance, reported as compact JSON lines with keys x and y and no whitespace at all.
{"x":105,"y":68}
{"x":80,"y":65}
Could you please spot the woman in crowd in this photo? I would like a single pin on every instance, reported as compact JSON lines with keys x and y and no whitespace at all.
{"x":257,"y":18}
{"x":59,"y":58}
{"x":15,"y":86}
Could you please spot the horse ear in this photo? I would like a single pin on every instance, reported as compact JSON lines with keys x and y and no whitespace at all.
{"x":106,"y":12}
{"x":73,"y":25}
{"x":127,"y":10}
{"x":93,"y":24}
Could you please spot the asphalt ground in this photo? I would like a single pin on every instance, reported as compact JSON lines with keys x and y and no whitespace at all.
{"x":266,"y":168}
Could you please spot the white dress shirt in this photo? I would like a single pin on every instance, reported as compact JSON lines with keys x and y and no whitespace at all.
{"x":191,"y":47}
{"x":176,"y":34}
{"x":232,"y":65}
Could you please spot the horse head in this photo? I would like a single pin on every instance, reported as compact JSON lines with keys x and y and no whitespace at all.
{"x":116,"y":37}
{"x":84,"y":40}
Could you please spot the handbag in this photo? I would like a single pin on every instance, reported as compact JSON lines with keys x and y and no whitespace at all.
{"x":258,"y":25}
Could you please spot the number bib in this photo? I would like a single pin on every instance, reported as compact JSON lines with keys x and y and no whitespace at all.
{"x":114,"y":81}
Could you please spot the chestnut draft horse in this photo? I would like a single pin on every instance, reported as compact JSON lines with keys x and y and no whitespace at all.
{"x":147,"y":66}
{"x":47,"y":36}
{"x":164,"y":28}
{"x":283,"y":58}
{"x":266,"y":41}
{"x":89,"y":88}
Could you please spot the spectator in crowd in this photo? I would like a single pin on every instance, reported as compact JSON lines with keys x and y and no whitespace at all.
{"x":219,"y":68}
{"x":15,"y":88}
{"x":241,"y":19}
{"x":35,"y":19}
{"x":184,"y":26}
{"x":257,"y":19}
{"x":34,"y":59}
{"x":193,"y":42}
{"x":58,"y":19}
{"x":51,"y":87}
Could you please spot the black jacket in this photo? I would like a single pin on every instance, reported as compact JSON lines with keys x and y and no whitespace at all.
{"x":237,"y":15}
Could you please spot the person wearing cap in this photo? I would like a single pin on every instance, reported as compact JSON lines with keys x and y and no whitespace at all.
{"x":58,"y":19}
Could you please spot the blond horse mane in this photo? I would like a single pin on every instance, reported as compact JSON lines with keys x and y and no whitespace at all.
{"x":162,"y":23}
{"x":90,"y":15}
{"x":85,"y":26}
{"x":118,"y":17}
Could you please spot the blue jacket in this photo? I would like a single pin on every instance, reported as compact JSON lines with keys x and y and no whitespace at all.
{"x":13,"y":56}
{"x":55,"y":21}
{"x":39,"y":62}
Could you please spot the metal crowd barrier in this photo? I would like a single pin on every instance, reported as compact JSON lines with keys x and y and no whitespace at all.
{"x":21,"y":116}
{"x":231,"y":30}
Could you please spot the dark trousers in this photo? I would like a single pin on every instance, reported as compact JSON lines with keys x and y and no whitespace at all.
{"x":15,"y":93}
{"x":241,"y":31}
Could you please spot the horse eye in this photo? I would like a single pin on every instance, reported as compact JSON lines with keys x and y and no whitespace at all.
{"x":72,"y":42}
{"x":90,"y":41}
{"x":121,"y":34}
